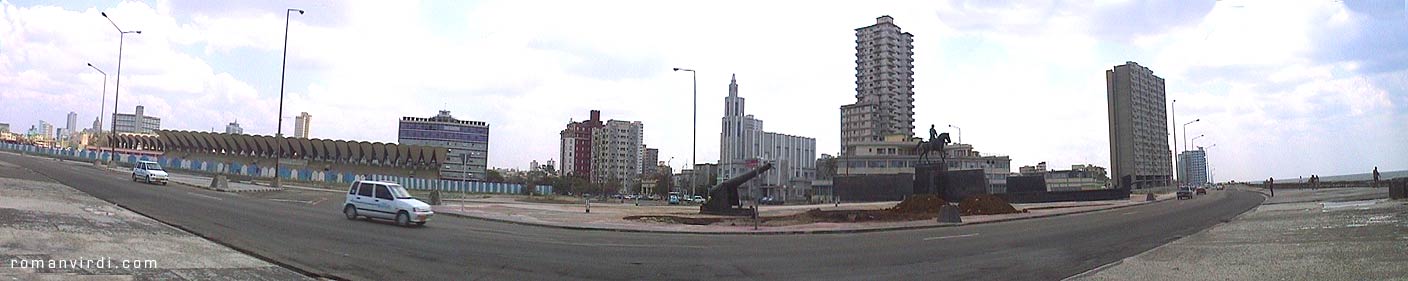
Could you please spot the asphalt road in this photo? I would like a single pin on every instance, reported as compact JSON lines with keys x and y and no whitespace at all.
{"x":318,"y":239}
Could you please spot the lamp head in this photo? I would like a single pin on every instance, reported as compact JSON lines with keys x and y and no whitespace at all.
{"x":90,"y":64}
{"x":677,"y":69}
{"x":105,"y":14}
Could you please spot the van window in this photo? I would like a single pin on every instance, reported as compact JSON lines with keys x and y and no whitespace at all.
{"x":365,"y":190}
{"x":382,"y":193}
{"x":353,"y":190}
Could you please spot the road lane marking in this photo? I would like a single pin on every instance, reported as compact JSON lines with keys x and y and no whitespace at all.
{"x":292,"y":201}
{"x":206,"y":196}
{"x":951,"y":236}
{"x":627,"y":245}
{"x":1128,"y":213}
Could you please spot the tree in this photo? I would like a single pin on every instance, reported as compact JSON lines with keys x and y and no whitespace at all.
{"x":494,"y":176}
{"x":663,"y":184}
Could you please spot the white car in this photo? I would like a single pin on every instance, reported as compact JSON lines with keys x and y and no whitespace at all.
{"x":375,"y":199}
{"x":149,"y":172}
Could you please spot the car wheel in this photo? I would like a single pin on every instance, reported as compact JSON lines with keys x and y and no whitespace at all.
{"x":420,"y":223}
{"x":148,"y":179}
{"x":350,"y":211}
{"x":403,"y":219}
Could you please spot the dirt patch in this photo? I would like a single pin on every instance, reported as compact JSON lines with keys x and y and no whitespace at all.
{"x":924,"y":203}
{"x":675,"y":219}
{"x":550,"y":200}
{"x":986,"y":204}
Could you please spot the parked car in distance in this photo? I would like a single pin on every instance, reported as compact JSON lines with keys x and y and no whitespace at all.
{"x":1185,"y":193}
{"x":385,"y":200}
{"x":149,"y":172}
{"x":697,"y":199}
{"x":770,"y":201}
{"x":674,"y":198}
{"x":1201,"y":191}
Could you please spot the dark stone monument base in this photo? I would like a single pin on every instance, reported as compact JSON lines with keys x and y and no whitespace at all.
{"x":952,"y":186}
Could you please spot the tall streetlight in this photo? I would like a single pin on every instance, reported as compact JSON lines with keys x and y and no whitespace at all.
{"x":117,"y":90}
{"x":1185,"y":133}
{"x":1174,"y":114}
{"x":283,"y":70}
{"x":1195,"y":139}
{"x":102,"y":106}
{"x":960,"y":132}
{"x":694,"y":157}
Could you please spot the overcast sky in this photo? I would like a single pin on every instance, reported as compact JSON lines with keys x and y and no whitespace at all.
{"x":1283,"y":88}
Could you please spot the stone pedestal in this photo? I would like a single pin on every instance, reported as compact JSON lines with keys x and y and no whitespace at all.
{"x":950,"y":214}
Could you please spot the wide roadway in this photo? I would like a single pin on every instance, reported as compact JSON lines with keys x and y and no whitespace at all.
{"x":318,"y":239}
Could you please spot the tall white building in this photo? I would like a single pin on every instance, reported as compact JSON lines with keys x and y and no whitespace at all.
{"x":1193,"y":167}
{"x":300,"y":125}
{"x":72,"y":124}
{"x":137,"y":122}
{"x":743,"y":140}
{"x":884,"y":85}
{"x":1139,"y":150}
{"x":234,"y":128}
{"x":618,"y":154}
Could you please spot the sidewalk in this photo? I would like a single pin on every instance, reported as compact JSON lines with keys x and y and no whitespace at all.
{"x":1301,"y":234}
{"x":611,"y":215}
{"x":42,"y":221}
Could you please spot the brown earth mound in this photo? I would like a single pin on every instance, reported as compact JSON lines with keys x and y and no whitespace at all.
{"x":924,"y":203}
{"x":986,"y":204}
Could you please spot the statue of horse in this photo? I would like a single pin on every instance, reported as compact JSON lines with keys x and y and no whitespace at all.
{"x":935,"y":143}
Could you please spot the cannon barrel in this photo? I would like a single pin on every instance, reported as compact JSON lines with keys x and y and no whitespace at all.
{"x":724,"y":196}
{"x":735,"y":182}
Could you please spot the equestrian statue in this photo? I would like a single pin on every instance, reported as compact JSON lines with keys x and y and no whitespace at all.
{"x":936,"y":142}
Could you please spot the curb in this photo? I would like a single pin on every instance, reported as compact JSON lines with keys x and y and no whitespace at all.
{"x":225,"y":190}
{"x":785,"y":232}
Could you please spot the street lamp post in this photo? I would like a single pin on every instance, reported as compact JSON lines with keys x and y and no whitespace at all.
{"x":279,"y":134}
{"x":1185,"y":133}
{"x":1195,"y":140}
{"x":694,"y":150}
{"x":1173,"y":108}
{"x":102,"y":106}
{"x":1185,"y":144}
{"x":117,"y":89}
{"x":960,"y":132}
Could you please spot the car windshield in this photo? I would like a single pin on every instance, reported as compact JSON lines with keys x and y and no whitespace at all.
{"x":399,"y":192}
{"x":153,"y":167}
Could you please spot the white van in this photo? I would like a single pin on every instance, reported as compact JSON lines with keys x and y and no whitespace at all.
{"x":149,"y":172}
{"x":375,"y":199}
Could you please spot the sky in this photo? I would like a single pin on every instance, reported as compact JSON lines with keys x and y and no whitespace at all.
{"x":1281,"y":88}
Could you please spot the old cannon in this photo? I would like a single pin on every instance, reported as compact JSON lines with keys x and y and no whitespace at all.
{"x":723,"y":198}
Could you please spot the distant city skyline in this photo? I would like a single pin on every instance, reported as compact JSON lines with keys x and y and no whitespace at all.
{"x":1280,"y":87}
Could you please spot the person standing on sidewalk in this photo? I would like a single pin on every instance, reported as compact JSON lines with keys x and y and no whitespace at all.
{"x":1271,"y":185}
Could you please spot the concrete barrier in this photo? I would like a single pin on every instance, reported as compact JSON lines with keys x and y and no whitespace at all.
{"x":1398,"y":189}
{"x":219,"y":182}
